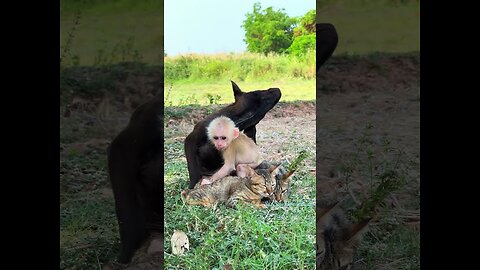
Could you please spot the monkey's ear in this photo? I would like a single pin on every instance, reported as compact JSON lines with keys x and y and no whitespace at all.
{"x":236,"y":90}
{"x":236,"y":133}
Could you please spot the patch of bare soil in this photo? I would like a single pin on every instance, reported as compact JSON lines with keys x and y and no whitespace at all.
{"x":383,"y":93}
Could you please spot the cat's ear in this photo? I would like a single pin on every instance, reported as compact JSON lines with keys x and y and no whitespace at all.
{"x":273,"y":170}
{"x":287,"y":175}
{"x":353,"y":233}
{"x":324,"y":212}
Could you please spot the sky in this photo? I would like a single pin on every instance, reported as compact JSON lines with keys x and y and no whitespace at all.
{"x":214,"y":26}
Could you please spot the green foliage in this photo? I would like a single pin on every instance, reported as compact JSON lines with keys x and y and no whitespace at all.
{"x":243,"y":67}
{"x":121,"y":52}
{"x":179,"y":69}
{"x":88,"y":226}
{"x":88,"y":231}
{"x":384,"y":168}
{"x":304,"y":35}
{"x":388,"y":182}
{"x":303,"y":44}
{"x":213,"y":99}
{"x":296,"y":162}
{"x":398,"y":248}
{"x":181,"y":92}
{"x":306,"y":24}
{"x":66,"y":55}
{"x":268,"y":30}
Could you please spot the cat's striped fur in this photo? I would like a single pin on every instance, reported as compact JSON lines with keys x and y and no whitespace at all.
{"x":337,"y":239}
{"x":231,"y":189}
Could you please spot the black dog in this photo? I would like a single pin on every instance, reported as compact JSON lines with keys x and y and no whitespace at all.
{"x":247,"y":110}
{"x":327,"y":40}
{"x":135,"y":166}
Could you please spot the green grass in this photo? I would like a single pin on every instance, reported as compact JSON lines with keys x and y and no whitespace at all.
{"x":88,"y":226}
{"x":389,"y":242}
{"x":241,"y":66}
{"x":108,"y":27}
{"x":279,"y":237}
{"x":205,"y":79}
{"x":395,"y":249}
{"x":183,"y":93}
{"x":89,"y":233}
{"x":371,"y":26}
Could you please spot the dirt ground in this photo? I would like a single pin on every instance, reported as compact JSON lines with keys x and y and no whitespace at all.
{"x":383,"y":92}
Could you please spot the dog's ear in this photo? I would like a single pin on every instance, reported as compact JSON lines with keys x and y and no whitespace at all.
{"x":237,"y":92}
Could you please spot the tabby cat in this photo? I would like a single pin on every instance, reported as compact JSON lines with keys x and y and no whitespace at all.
{"x":336,"y":238}
{"x":249,"y":186}
{"x":281,"y":185}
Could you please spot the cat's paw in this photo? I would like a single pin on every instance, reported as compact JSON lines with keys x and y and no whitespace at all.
{"x":261,"y":206}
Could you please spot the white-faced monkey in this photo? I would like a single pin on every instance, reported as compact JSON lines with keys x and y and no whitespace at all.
{"x":236,"y":147}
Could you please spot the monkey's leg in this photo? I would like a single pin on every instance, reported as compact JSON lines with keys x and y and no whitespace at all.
{"x":252,"y":165}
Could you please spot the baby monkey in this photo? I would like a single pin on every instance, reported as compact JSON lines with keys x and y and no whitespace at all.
{"x":236,"y":147}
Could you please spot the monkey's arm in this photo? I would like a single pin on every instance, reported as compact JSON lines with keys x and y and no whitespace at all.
{"x":223,"y":171}
{"x":228,"y":164}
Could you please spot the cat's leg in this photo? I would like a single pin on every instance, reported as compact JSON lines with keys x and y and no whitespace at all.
{"x":190,"y":200}
{"x":231,"y":202}
{"x":259,"y":204}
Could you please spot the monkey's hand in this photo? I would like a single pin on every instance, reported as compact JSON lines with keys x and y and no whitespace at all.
{"x":206,"y":181}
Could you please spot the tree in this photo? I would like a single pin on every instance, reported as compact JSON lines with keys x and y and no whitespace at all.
{"x":304,"y":35}
{"x":268,"y":30}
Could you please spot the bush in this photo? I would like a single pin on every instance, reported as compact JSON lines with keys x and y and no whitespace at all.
{"x":268,"y":30}
{"x":302,"y":44}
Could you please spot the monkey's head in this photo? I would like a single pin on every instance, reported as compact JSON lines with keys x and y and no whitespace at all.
{"x":221,"y":131}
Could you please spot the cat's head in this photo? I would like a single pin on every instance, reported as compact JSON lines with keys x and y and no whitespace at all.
{"x":280,"y":179}
{"x":262,"y":181}
{"x":282,"y":188}
{"x":337,"y":239}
